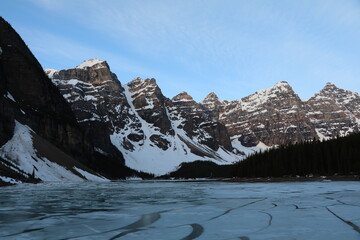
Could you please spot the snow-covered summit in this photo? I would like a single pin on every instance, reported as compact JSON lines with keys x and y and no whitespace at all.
{"x":282,"y":86}
{"x":91,"y":63}
{"x":332,"y":92}
{"x":281,"y":90}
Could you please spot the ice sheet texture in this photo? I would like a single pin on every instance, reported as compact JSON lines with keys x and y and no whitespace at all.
{"x":181,"y":210}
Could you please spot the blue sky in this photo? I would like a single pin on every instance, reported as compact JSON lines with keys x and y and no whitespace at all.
{"x":230,"y":47}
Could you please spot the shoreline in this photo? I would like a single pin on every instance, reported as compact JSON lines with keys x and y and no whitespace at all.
{"x":340,"y":178}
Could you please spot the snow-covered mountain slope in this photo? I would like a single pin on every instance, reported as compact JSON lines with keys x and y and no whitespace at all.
{"x":167,"y":142}
{"x":278,"y":116}
{"x":154,"y":134}
{"x":20,"y":155}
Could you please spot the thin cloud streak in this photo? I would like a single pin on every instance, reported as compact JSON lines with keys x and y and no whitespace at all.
{"x":203,"y":41}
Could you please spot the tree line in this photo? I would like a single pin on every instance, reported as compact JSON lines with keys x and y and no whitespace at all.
{"x":337,"y":156}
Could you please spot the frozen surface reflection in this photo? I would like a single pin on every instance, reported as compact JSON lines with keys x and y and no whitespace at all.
{"x":178,"y":210}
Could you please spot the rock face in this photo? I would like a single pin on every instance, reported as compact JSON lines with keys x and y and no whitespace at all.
{"x":277,"y":115}
{"x":154,"y":133}
{"x":149,"y":104}
{"x":334,"y":112}
{"x":32,"y":109}
{"x":198,"y":123}
{"x":213,"y":104}
{"x":97,"y":100}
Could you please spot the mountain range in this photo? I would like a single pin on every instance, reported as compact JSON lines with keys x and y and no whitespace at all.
{"x":82,"y":123}
{"x":156,"y":133}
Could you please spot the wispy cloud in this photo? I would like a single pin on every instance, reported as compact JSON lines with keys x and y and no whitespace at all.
{"x":243,"y":42}
{"x":67,"y":53}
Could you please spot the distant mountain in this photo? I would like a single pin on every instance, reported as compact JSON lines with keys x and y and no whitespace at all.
{"x":334,"y":112}
{"x":277,"y":116}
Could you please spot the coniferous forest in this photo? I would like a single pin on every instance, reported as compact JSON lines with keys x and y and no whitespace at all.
{"x":337,"y":156}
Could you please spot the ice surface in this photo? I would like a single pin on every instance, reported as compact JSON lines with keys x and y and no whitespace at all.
{"x":181,"y":210}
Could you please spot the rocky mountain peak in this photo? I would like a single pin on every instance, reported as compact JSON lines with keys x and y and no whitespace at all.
{"x":139,"y":82}
{"x":271,"y":96}
{"x":334,"y":111}
{"x":212,"y":103}
{"x":93,"y":63}
{"x":183,"y":97}
{"x":146,"y":91}
{"x":330,"y":84}
{"x":211,"y":98}
{"x":282,"y":86}
{"x":211,"y":95}
{"x":329,"y":88}
{"x":334,"y":93}
{"x":93,"y":71}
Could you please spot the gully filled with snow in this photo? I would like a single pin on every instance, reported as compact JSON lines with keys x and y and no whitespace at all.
{"x":180,"y":210}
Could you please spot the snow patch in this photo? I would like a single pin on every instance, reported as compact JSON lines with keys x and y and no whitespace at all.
{"x":89,"y":63}
{"x":89,"y":176}
{"x":357,"y":120}
{"x":20,"y":151}
{"x":9,"y":96}
{"x":321,"y":136}
{"x":9,"y":180}
{"x":248,"y":150}
{"x":100,"y":151}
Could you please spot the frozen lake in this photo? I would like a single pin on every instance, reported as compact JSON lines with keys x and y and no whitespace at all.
{"x":181,"y":211}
